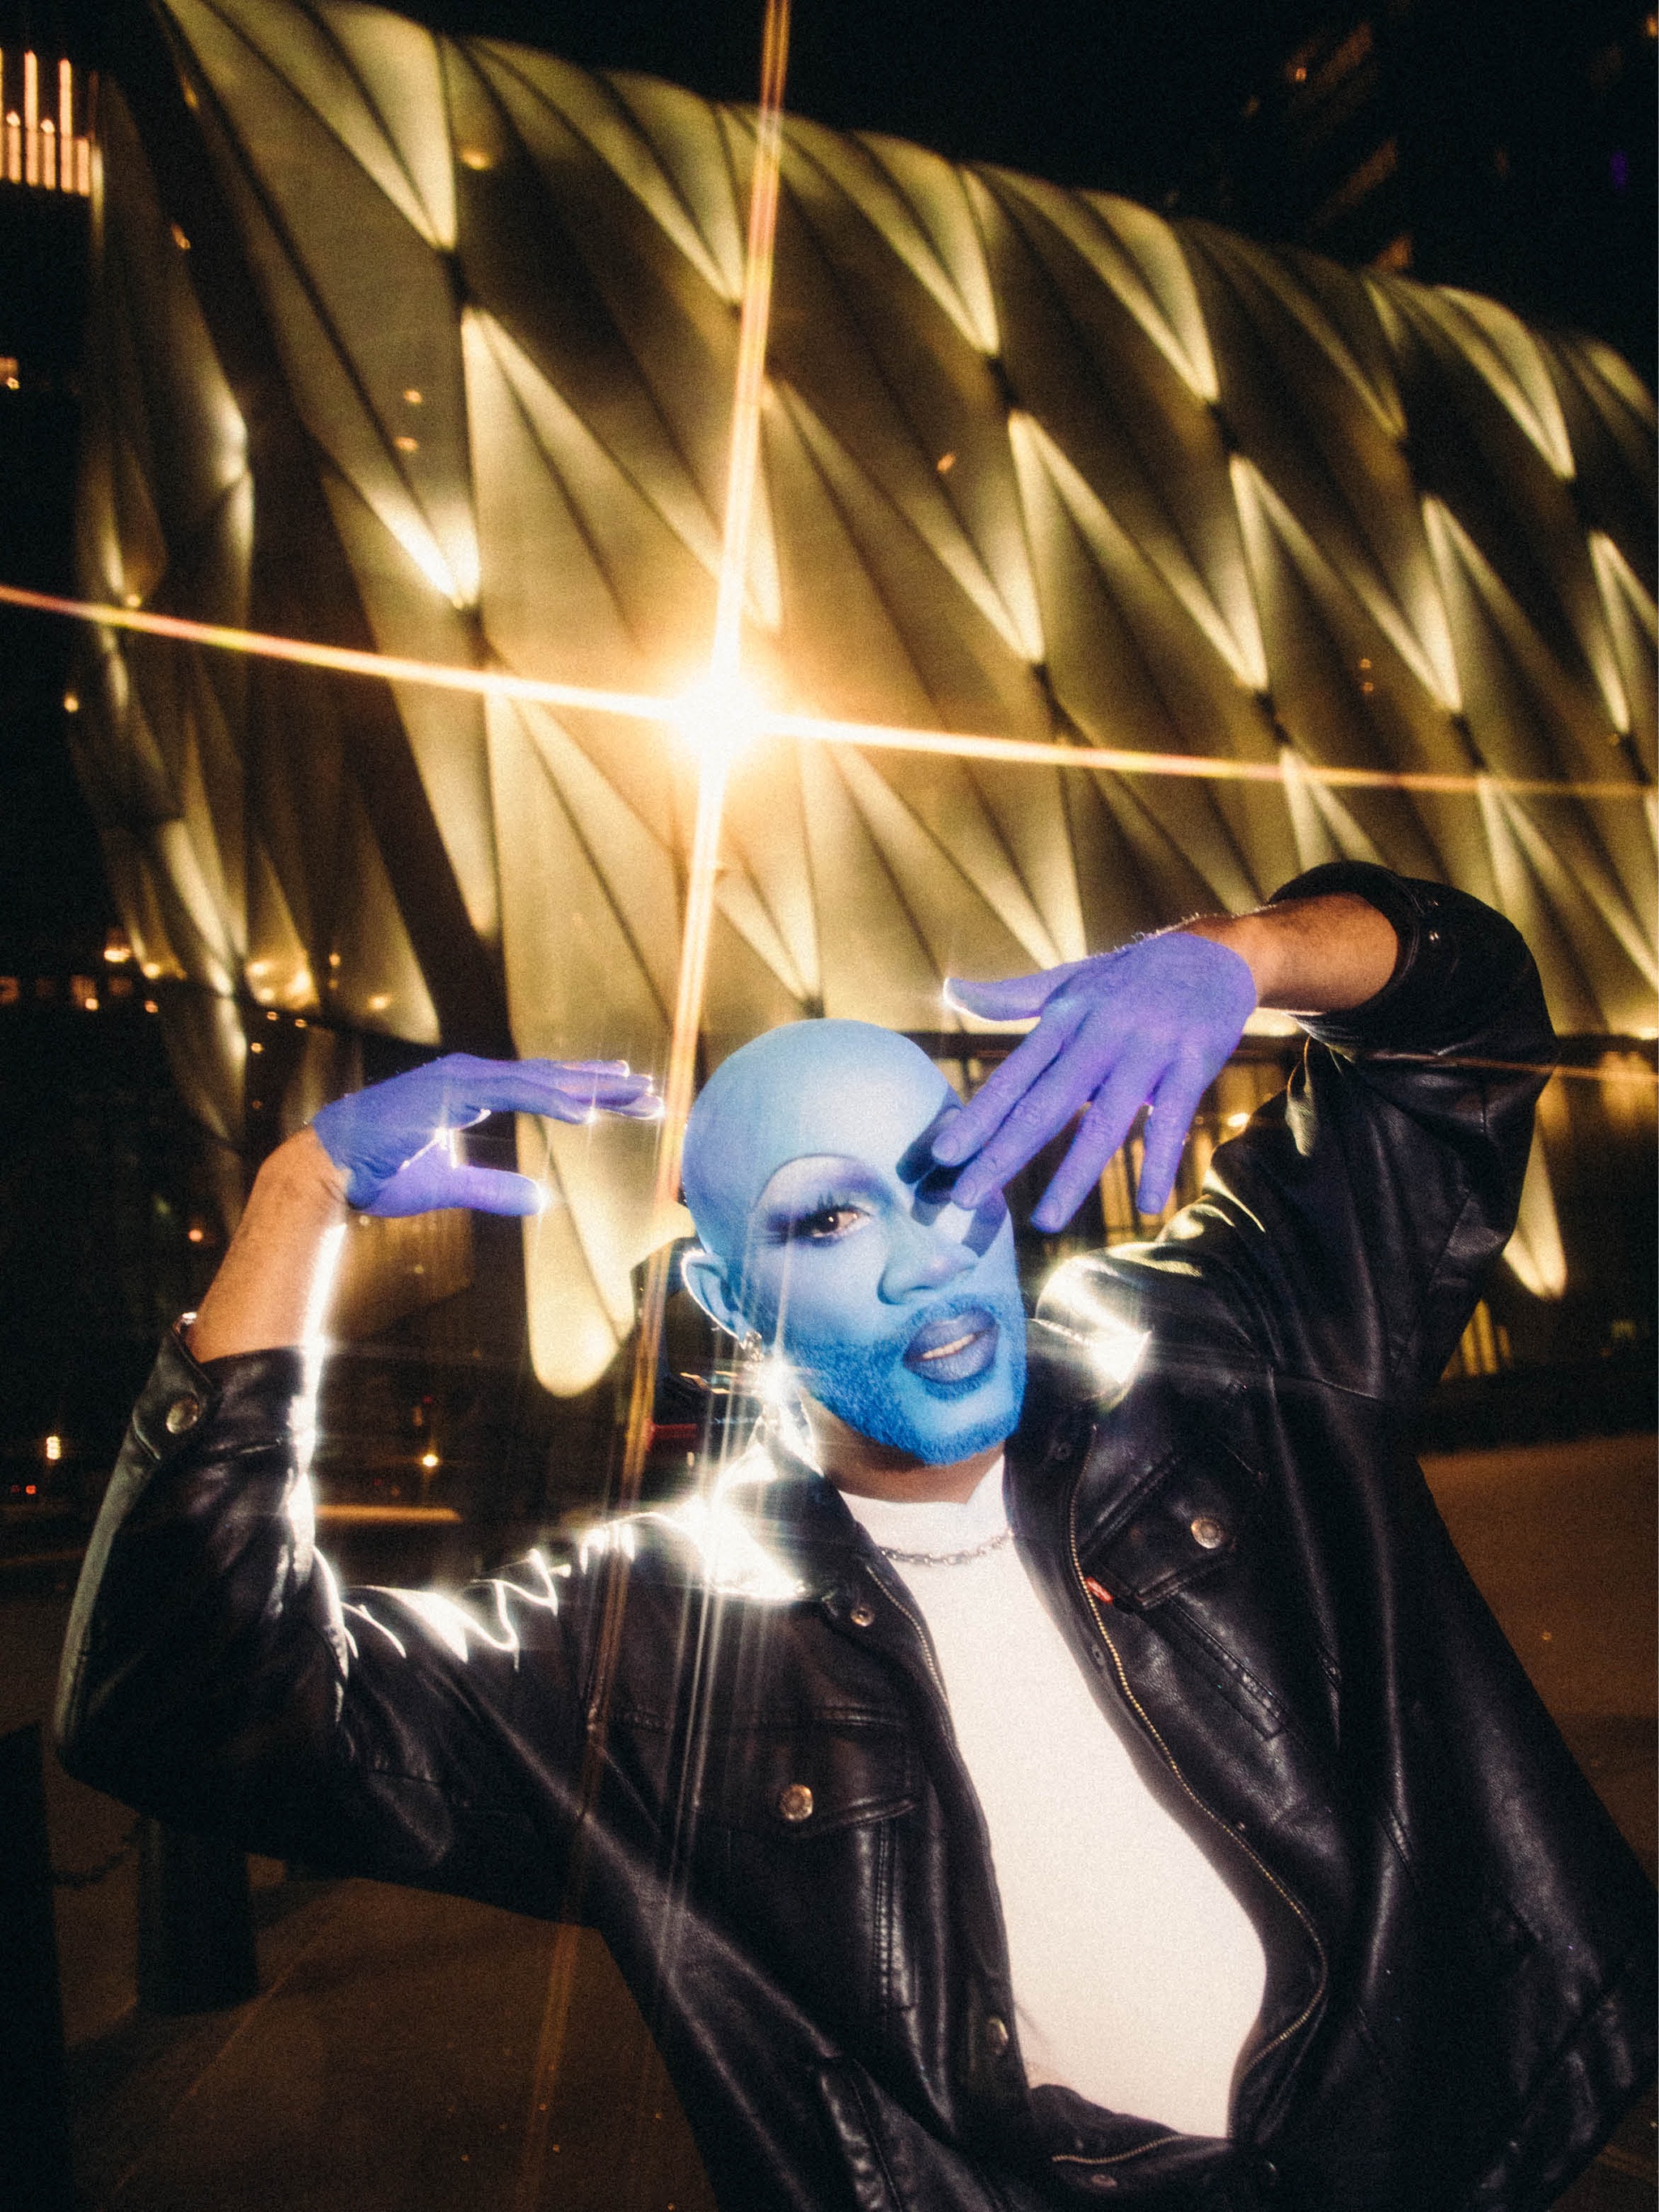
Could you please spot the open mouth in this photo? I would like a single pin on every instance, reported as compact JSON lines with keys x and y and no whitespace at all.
{"x":954,"y":1350}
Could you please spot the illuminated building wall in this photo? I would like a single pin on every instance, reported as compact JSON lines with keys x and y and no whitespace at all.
{"x":428,"y":345}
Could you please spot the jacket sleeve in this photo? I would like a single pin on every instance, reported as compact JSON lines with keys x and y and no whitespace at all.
{"x":1344,"y":1235}
{"x":214,"y":1675}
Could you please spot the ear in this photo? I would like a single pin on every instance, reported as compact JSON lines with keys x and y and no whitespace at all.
{"x":704,"y":1276}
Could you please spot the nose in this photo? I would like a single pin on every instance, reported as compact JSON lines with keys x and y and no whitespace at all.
{"x":924,"y":1257}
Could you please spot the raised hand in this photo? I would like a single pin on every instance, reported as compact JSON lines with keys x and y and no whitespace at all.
{"x":391,"y":1140}
{"x":1154,"y":1023}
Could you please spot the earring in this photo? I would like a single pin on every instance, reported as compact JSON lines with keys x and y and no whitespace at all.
{"x":751,"y":1349}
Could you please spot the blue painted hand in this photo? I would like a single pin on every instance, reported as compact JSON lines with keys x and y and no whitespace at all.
{"x":1153,"y":1024}
{"x":392,"y":1139}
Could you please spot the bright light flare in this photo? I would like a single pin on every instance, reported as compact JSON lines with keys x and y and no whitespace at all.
{"x":818,"y":729}
{"x":720,"y":716}
{"x":723,"y":710}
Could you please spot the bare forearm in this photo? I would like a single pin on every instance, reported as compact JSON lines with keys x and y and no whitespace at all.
{"x":1314,"y":955}
{"x":261,"y":1297}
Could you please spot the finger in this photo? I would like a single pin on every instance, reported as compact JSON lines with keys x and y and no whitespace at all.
{"x":465,"y":1063}
{"x":609,"y":1090}
{"x":1040,"y":1114}
{"x":583,"y":1098}
{"x":431,"y":1183}
{"x":1174,"y":1104}
{"x":966,"y":1132}
{"x":583,"y":1106}
{"x":533,"y":1087}
{"x":1014,"y":1000}
{"x":1103,"y":1130}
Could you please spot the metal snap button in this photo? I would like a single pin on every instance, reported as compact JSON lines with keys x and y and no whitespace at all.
{"x":184,"y":1413}
{"x":863,"y":1614}
{"x":795,"y":1803}
{"x":996,"y":2036}
{"x":1208,"y":1532}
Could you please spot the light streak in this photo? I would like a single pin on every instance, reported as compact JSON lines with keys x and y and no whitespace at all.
{"x":720,"y":691}
{"x":1106,"y":760}
{"x":344,"y":659}
{"x":693,"y":710}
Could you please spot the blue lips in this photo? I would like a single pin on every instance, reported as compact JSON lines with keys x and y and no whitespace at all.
{"x":956,"y":1349}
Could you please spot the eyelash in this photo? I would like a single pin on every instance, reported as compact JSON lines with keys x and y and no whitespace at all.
{"x":798,"y":1229}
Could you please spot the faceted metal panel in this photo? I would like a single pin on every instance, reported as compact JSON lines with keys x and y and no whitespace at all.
{"x":448,"y":372}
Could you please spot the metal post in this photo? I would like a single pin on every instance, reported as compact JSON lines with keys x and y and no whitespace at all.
{"x":34,"y":2140}
{"x":195,"y":1923}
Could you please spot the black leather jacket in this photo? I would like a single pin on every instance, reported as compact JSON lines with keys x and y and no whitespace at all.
{"x":1213,"y":1488}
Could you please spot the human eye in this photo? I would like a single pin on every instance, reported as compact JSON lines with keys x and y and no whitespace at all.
{"x":821,"y":1220}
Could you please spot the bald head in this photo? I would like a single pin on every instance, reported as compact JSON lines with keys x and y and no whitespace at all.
{"x":822,"y":1087}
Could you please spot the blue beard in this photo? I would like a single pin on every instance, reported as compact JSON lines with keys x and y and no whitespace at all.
{"x":869,"y":1387}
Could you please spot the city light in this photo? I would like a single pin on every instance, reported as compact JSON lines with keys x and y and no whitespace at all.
{"x":430,"y":1459}
{"x":37,"y":149}
{"x":54,"y":1449}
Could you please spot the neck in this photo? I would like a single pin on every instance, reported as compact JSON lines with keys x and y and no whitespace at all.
{"x":868,"y":1469}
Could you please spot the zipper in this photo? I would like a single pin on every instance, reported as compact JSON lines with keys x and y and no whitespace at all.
{"x":926,"y":1642}
{"x":1214,"y":1818}
{"x":1112,"y":2157}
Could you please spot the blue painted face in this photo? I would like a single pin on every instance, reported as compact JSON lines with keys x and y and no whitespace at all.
{"x":829,"y":1230}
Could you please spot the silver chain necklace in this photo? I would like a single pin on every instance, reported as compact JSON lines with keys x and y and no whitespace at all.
{"x":946,"y":1559}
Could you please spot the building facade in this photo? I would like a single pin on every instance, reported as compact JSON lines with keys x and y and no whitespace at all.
{"x":425,"y":345}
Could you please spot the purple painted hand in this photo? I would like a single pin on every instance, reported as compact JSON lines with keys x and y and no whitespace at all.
{"x":1152,"y":1023}
{"x":390,"y":1138}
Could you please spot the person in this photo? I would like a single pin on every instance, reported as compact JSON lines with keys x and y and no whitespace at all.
{"x":1049,"y":1762}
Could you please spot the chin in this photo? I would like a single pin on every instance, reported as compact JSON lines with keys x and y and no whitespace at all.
{"x":938,"y":1424}
{"x":941,"y":1451}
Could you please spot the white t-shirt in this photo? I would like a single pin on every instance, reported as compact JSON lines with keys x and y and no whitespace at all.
{"x":1137,"y":1976}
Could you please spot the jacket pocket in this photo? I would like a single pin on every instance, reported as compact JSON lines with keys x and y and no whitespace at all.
{"x":798,"y":1783}
{"x":800,"y":1835}
{"x":1186,"y":1521}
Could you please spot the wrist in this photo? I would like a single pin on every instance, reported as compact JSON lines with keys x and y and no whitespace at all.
{"x":301,"y":1177}
{"x":1312,"y":956}
{"x":1241,"y":935}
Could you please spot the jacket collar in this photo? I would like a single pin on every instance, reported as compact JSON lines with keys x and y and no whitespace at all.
{"x":795,"y":1514}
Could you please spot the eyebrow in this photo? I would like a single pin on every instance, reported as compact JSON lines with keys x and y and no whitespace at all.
{"x":814,"y":1174}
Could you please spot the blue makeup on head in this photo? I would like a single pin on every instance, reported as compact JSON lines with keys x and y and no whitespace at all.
{"x":810,"y":1175}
